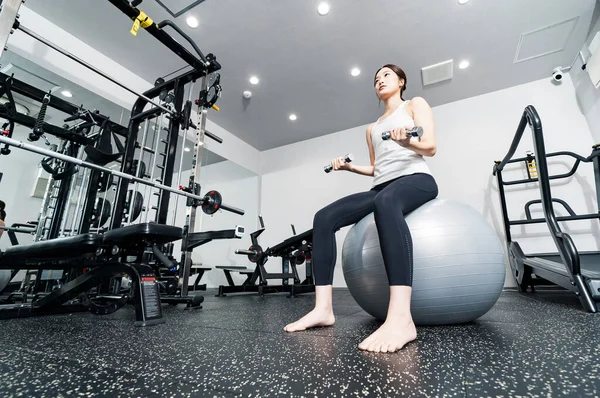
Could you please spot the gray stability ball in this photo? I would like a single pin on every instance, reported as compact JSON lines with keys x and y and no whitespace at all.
{"x":458,"y":264}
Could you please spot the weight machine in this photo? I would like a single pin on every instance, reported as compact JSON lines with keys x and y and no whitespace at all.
{"x":100,"y":255}
{"x":293,"y":251}
{"x":567,"y":268}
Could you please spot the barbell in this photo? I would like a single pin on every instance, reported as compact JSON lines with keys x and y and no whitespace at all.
{"x":205,"y":201}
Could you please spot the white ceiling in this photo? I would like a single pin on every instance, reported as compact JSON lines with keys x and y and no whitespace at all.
{"x":303,"y":59}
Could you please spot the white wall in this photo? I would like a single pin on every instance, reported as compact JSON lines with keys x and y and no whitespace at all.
{"x":588,"y":95}
{"x":239,"y":188}
{"x":471,"y":134}
{"x":232,"y":147}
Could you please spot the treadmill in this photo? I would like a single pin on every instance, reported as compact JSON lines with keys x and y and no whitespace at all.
{"x":566,"y":268}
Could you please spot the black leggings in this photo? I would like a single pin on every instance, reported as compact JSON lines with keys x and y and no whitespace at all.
{"x":389,"y":201}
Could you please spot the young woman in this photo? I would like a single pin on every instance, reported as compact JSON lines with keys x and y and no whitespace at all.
{"x":402,"y":182}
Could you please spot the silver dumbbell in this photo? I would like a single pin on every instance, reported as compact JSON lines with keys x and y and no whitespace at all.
{"x":416,"y":131}
{"x":348,"y":158}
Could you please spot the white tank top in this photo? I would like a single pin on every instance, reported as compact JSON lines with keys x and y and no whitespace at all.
{"x":392,"y":160}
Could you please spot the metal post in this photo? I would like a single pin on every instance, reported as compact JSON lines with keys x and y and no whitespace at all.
{"x":171,"y":152}
{"x":8,"y":16}
{"x":184,"y":138}
{"x":156,"y":140}
{"x":190,"y":219}
{"x":596,"y":163}
{"x":503,"y":205}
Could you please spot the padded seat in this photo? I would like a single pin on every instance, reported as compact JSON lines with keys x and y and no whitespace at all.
{"x":145,"y":234}
{"x":50,"y":250}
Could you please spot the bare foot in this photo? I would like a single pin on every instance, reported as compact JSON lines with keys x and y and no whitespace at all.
{"x":317,"y":317}
{"x":390,"y":337}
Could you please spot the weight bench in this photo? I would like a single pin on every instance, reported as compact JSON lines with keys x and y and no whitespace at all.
{"x":199,"y":270}
{"x":293,"y":252}
{"x":99,"y":257}
{"x":247,"y":286}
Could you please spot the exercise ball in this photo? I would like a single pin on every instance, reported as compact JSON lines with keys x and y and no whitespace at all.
{"x":4,"y":278}
{"x":458,"y":264}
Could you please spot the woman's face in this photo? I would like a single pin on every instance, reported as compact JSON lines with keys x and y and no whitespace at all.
{"x":387,"y":83}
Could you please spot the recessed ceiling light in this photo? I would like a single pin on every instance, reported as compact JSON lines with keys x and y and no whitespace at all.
{"x":192,"y":22}
{"x":355,"y":72}
{"x":323,"y":8}
{"x":66,"y":93}
{"x":293,"y":117}
{"x":463,"y":1}
{"x":254,"y":80}
{"x":463,"y":64}
{"x":186,"y":149}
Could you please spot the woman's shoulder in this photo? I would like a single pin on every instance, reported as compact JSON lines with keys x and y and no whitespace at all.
{"x":416,"y":101}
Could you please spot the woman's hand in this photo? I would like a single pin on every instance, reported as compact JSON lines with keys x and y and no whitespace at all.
{"x":400,"y":136}
{"x":340,"y":164}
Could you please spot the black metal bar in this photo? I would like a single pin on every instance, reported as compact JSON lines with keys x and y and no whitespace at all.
{"x":214,"y":137}
{"x":161,"y":257}
{"x":58,"y":103}
{"x":499,"y":166}
{"x":563,"y":242}
{"x":118,"y":212}
{"x":171,"y":151}
{"x":554,"y":177}
{"x":503,"y":205}
{"x":48,"y":128}
{"x":196,"y":239}
{"x":554,"y":154}
{"x":169,"y":85}
{"x":92,"y":191}
{"x":58,"y":213}
{"x":562,"y":202}
{"x":577,"y":217}
{"x":596,"y":163}
{"x":161,"y":35}
{"x":149,"y":114}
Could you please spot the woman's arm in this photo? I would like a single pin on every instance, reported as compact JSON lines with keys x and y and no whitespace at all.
{"x":340,"y":164}
{"x":423,"y":116}
{"x":1,"y":225}
{"x":366,"y":170}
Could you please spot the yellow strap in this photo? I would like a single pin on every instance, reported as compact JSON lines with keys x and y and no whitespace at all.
{"x":143,"y":21}
{"x":215,"y":107}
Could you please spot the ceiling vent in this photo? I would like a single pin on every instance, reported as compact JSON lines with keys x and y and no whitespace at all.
{"x":178,"y":7}
{"x":545,"y":40}
{"x":437,"y":73}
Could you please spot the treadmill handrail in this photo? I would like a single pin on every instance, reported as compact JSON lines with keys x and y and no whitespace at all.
{"x":564,"y":243}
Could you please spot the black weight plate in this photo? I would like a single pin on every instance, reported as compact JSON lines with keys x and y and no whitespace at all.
{"x":100,"y":213}
{"x":134,"y":167}
{"x":137,"y":203}
{"x":212,"y":202}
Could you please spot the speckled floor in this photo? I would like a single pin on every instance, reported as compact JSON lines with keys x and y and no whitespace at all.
{"x":234,"y":347}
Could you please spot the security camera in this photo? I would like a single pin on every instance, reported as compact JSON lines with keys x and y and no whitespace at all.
{"x":557,"y":74}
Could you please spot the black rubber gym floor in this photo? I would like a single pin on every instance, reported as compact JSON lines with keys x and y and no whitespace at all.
{"x":525,"y":346}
